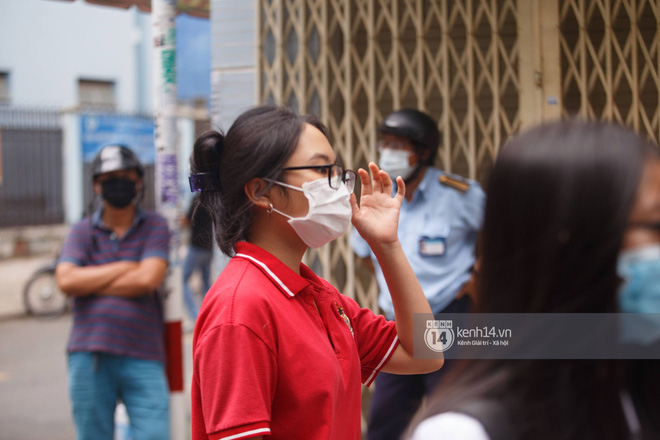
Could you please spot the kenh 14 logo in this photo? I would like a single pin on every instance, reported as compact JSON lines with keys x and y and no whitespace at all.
{"x":439,"y":335}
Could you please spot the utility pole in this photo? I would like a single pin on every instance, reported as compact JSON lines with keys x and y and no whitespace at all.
{"x":163,"y":15}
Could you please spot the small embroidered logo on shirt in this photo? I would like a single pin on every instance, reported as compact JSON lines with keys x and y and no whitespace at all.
{"x":340,"y":310}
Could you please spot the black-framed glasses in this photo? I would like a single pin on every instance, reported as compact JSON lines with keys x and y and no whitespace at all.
{"x":336,"y":175}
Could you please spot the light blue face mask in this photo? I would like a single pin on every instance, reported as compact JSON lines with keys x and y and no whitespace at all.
{"x":640,"y":293}
{"x":640,"y":269}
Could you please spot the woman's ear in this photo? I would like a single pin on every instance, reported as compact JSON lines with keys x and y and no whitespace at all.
{"x":255,"y":189}
{"x":96,"y":187}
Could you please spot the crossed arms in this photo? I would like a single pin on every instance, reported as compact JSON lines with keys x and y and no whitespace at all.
{"x":120,"y":278}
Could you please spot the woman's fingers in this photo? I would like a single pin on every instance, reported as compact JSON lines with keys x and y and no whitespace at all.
{"x":375,"y":173}
{"x":386,"y":181}
{"x":366,"y":181}
{"x":379,"y":182}
{"x":400,"y":189}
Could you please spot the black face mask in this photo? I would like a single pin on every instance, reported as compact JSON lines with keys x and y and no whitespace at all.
{"x":119,"y":193}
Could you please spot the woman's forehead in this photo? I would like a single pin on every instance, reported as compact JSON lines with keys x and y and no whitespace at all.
{"x":313,"y":147}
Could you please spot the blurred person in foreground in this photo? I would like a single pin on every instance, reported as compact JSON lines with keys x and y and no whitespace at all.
{"x":439,"y":220}
{"x":639,"y":266}
{"x":560,"y":204}
{"x":112,"y":263}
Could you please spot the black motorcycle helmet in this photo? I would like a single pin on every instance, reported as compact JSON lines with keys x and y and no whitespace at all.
{"x":417,"y":126}
{"x":114,"y":158}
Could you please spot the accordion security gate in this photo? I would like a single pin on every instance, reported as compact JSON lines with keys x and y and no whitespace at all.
{"x":353,"y":62}
{"x":483,"y":68}
{"x":610,"y":63}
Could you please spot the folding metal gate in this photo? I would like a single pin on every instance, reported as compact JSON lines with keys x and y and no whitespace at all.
{"x":31,"y":188}
{"x":610,"y":63}
{"x":352,"y":62}
{"x":483,"y":68}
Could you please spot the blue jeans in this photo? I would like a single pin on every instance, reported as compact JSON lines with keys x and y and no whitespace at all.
{"x":98,"y":380}
{"x":197,"y":259}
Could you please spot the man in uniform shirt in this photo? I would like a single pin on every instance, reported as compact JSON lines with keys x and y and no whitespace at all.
{"x":438,"y":226}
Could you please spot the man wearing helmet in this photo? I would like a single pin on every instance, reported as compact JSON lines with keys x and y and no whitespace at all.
{"x":438,"y":226}
{"x":111,"y":263}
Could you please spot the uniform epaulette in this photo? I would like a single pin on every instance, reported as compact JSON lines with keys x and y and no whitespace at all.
{"x":456,"y":182}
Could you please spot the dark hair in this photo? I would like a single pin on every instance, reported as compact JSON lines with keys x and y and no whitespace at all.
{"x":559,"y":197}
{"x":258,"y":144}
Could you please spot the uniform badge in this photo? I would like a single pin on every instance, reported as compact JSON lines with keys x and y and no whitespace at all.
{"x":432,"y":246}
{"x":340,"y":310}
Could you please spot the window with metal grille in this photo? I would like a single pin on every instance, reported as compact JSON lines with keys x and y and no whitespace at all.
{"x":93,"y":93}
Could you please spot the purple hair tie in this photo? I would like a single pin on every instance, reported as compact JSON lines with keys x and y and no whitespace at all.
{"x":204,"y":182}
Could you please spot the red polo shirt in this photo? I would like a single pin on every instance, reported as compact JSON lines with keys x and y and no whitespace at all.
{"x":267,"y":362}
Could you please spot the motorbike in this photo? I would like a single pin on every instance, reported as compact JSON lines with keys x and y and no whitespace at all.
{"x":41,"y":296}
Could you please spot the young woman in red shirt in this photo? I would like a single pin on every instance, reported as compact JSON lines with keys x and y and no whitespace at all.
{"x":279,"y":352}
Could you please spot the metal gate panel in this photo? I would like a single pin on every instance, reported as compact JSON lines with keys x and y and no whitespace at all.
{"x":610,"y":63}
{"x":353,"y":62}
{"x":31,"y":190}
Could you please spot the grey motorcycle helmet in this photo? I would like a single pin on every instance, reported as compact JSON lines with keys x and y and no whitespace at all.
{"x":114,"y":158}
{"x":417,"y":126}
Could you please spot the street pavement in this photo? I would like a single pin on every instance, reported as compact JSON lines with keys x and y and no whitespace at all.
{"x":34,"y":398}
{"x":34,"y":401}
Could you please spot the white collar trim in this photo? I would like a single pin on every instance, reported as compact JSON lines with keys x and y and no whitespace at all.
{"x":269,"y":272}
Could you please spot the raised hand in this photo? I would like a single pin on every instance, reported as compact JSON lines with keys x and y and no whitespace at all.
{"x":377,"y":216}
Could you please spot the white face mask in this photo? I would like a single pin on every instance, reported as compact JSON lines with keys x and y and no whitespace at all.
{"x":396,"y":163}
{"x":328,"y":216}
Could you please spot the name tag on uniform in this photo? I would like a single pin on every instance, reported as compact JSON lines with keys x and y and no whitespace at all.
{"x":432,"y":247}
